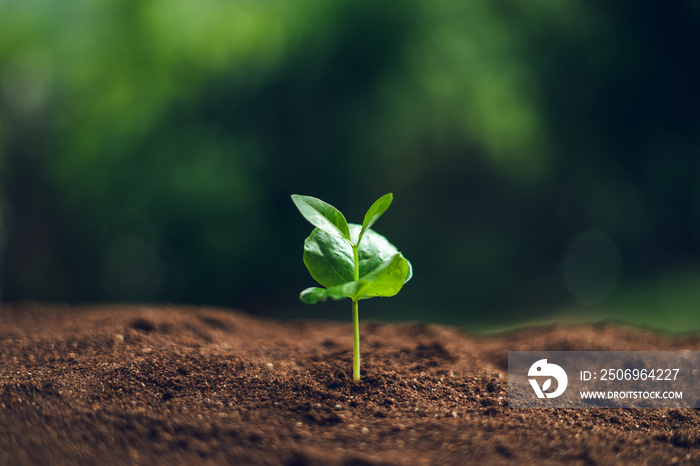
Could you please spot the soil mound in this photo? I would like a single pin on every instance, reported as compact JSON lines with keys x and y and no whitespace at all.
{"x":186,"y":385}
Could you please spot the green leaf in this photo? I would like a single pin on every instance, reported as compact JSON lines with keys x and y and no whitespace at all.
{"x":329,"y":259}
{"x":375,"y":211}
{"x":322,"y":215}
{"x":386,"y":280}
{"x":315,"y":295}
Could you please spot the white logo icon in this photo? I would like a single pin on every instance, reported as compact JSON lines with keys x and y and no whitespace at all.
{"x":543,"y":369}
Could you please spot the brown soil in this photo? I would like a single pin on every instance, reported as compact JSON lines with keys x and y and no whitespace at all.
{"x":173,"y":385}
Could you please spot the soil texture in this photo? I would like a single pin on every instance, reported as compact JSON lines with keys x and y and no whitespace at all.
{"x":186,"y":385}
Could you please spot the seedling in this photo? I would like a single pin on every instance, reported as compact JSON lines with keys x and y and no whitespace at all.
{"x":350,"y":260}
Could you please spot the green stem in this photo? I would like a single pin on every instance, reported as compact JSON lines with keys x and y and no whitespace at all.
{"x":355,"y":342}
{"x":356,"y":257}
{"x":356,"y":322}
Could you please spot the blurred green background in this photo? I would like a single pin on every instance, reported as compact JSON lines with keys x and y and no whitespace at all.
{"x":543,"y":155}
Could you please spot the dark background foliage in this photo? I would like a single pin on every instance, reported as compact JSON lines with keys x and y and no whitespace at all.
{"x":543,"y":155}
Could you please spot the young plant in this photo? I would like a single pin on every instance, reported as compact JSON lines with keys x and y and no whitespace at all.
{"x":350,"y":260}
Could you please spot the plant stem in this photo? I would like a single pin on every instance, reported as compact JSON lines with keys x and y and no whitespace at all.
{"x":356,"y":257}
{"x":355,"y":342}
{"x":356,"y":321}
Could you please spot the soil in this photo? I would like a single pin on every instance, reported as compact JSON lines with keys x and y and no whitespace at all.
{"x":179,"y":385}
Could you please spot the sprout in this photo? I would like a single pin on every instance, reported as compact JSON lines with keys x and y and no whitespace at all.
{"x":350,"y":260}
